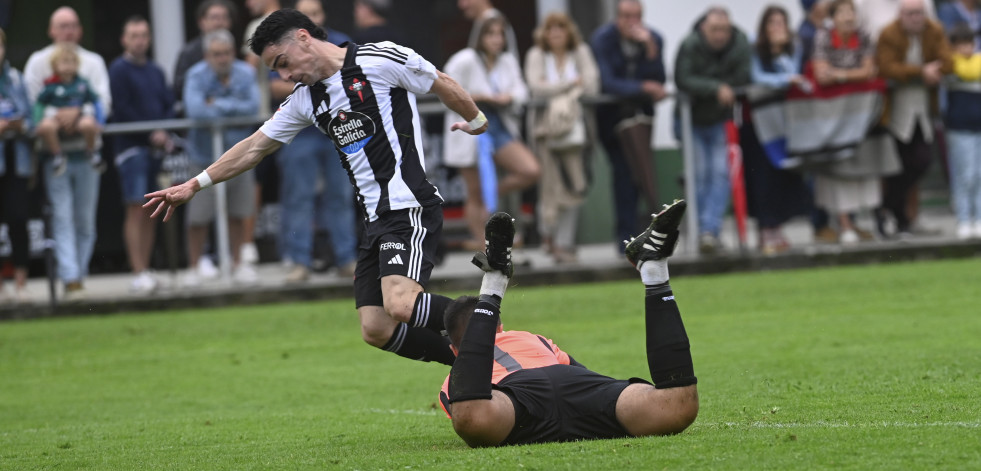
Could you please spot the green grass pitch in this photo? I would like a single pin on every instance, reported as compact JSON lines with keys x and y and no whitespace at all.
{"x":874,"y":367}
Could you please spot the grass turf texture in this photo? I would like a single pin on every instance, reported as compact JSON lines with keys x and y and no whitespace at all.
{"x":856,"y":368}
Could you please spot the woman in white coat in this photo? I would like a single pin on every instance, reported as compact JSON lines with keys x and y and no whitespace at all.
{"x":494,"y":80}
{"x":560,"y":68}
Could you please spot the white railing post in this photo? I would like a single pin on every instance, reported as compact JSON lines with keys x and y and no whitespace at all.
{"x":221,"y":207}
{"x":688,"y":154}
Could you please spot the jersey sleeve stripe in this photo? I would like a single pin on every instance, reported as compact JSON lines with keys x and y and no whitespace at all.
{"x":390,"y":50}
{"x":383,"y":55}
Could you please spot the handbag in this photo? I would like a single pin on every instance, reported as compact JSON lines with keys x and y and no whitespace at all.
{"x":575,"y":137}
{"x":562,"y":126}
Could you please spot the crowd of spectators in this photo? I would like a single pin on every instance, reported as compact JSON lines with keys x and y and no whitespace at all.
{"x":900,"y":51}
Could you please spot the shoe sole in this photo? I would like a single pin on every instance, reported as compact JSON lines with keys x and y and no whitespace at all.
{"x":661,"y":236}
{"x":499,"y":237}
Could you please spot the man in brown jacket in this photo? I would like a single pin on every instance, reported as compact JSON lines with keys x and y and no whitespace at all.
{"x":913,"y":55}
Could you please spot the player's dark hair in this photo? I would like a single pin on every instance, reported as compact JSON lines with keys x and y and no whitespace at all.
{"x":279,"y":24}
{"x":457,"y":316}
{"x":961,"y":33}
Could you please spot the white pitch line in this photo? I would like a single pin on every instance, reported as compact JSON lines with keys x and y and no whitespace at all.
{"x":407,"y":411}
{"x":821,"y":424}
{"x":757,"y":424}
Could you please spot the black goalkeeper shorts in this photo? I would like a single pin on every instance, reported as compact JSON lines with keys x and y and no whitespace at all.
{"x":562,"y":403}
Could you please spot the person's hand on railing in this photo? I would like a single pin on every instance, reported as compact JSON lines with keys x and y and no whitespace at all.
{"x":653,"y":89}
{"x":726,"y":95}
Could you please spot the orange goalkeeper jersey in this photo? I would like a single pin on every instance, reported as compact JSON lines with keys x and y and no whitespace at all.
{"x":515,"y":350}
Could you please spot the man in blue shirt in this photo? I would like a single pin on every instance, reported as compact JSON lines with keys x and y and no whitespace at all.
{"x":219,"y":87}
{"x":631,"y":63}
{"x":139,"y":93}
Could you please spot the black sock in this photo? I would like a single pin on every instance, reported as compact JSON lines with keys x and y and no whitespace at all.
{"x":428,"y":311}
{"x":668,"y":352}
{"x":420,"y":344}
{"x":470,"y":377}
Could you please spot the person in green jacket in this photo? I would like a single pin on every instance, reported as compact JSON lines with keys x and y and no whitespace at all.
{"x":712,"y":62}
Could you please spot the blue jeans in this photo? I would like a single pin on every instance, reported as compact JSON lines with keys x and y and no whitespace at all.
{"x":74,"y":197}
{"x":965,"y":174}
{"x":711,"y":176}
{"x":625,"y":193}
{"x":306,"y":163}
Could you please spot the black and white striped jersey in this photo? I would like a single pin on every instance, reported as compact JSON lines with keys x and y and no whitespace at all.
{"x":368,"y":108}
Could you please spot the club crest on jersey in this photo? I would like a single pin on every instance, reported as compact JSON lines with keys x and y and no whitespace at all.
{"x":351,"y":131}
{"x":356,"y":86}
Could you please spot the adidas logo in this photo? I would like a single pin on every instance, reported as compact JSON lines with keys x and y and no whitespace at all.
{"x":396,"y":260}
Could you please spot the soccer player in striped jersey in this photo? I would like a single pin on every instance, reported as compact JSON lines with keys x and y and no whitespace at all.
{"x":514,"y":387}
{"x":363,"y":97}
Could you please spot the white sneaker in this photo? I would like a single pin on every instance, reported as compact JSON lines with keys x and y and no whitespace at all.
{"x":22,"y":295}
{"x":964,"y":231}
{"x":74,"y":295}
{"x":249,"y":253}
{"x":144,"y":283}
{"x":849,"y":237}
{"x":245,"y":274}
{"x":207,"y":269}
{"x":191,"y":279}
{"x":298,"y":274}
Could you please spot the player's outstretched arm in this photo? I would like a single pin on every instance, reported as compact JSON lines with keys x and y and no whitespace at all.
{"x":457,"y":99}
{"x":241,"y":157}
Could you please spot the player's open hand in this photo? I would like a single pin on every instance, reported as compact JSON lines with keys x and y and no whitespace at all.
{"x":465,"y":127}
{"x":168,"y":199}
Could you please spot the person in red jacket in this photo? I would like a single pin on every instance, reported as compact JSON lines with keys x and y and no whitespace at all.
{"x":513,"y":387}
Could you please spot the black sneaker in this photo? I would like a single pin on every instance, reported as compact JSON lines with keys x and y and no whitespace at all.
{"x":660,"y":238}
{"x":499,"y":236}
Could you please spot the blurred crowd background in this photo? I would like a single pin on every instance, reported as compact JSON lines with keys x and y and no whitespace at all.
{"x":582,"y":96}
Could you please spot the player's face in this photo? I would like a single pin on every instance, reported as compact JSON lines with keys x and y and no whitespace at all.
{"x":292,"y":61}
{"x":136,"y":38}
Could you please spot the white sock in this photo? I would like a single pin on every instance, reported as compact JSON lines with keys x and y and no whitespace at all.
{"x":495,"y":283}
{"x":653,"y":272}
